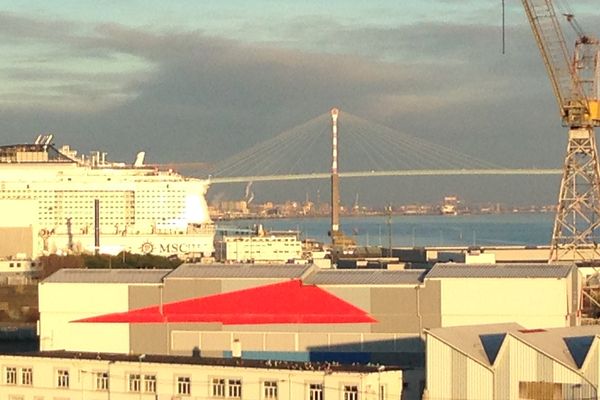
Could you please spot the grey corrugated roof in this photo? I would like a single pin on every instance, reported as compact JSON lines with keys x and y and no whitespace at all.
{"x":549,"y":341}
{"x":517,"y":270}
{"x":365,"y":277}
{"x":552,"y":341}
{"x":107,"y":276}
{"x":240,"y":271}
{"x":467,"y":339}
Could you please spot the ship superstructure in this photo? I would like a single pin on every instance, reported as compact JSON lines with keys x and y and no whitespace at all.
{"x":141,"y":209}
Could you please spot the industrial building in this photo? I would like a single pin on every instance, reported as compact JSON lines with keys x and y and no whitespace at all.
{"x":297,"y":312}
{"x":74,"y":304}
{"x":271,"y":247}
{"x":533,"y":295}
{"x":508,"y":361}
{"x":75,"y":375}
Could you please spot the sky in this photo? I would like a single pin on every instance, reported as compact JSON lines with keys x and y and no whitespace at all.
{"x":202,"y":80}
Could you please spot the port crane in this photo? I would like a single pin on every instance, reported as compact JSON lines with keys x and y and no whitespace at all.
{"x":575,"y":79}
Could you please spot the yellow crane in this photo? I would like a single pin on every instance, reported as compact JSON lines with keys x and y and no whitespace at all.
{"x":575,"y":79}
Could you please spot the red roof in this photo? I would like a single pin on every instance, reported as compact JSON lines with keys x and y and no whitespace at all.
{"x":288,"y":302}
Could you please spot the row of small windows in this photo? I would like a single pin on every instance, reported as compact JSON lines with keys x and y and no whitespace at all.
{"x":19,"y":265}
{"x":11,"y":376}
{"x":219,"y":387}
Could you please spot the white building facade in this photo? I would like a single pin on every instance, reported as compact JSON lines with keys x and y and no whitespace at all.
{"x":267,"y":248}
{"x":70,"y":376}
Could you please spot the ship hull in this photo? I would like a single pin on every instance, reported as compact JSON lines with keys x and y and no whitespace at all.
{"x":182,"y":246}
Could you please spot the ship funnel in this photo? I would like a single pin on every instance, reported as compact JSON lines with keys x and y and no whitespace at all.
{"x":139,"y":159}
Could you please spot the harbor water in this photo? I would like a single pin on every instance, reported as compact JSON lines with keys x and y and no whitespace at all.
{"x":522,"y":229}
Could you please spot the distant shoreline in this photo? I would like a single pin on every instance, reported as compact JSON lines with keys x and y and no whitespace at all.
{"x":248,"y":217}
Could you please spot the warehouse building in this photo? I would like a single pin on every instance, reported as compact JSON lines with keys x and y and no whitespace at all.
{"x":533,"y":295}
{"x":508,"y":361}
{"x":75,"y":375}
{"x":296,"y":312}
{"x":148,"y":311}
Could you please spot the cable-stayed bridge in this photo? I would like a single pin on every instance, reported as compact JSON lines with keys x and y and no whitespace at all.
{"x":366,"y":150}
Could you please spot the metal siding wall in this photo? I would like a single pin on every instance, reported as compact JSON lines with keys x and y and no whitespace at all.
{"x":523,"y":366}
{"x":502,"y":371}
{"x":480,"y":385}
{"x":545,"y":368}
{"x":592,"y":365}
{"x":459,"y":375}
{"x":571,"y":380}
{"x":528,"y":365}
{"x":439,"y":369}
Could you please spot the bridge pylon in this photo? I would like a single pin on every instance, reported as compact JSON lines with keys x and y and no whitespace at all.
{"x":338,"y":239}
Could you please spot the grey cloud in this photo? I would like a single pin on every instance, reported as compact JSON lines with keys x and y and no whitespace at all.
{"x":207,"y":98}
{"x":18,"y":27}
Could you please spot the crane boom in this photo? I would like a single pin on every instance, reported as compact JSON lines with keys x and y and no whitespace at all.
{"x":551,"y":42}
{"x":575,"y":77}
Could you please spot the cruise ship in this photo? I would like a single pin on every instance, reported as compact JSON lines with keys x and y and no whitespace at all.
{"x":88,"y":204}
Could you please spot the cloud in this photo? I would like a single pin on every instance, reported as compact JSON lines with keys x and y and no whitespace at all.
{"x":187,"y":96}
{"x":22,"y":28}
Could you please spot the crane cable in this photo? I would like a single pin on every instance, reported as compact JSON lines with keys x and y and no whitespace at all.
{"x":503,"y":29}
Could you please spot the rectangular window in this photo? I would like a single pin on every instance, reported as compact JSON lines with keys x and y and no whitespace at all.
{"x":184,"y":385}
{"x":26,"y":376}
{"x":270,"y":389}
{"x":234,"y":388}
{"x":218,"y":387}
{"x":315,"y":391}
{"x":150,"y":383}
{"x":134,"y":382}
{"x":62,"y":378}
{"x":10,"y":376}
{"x":350,"y":392}
{"x":101,"y":380}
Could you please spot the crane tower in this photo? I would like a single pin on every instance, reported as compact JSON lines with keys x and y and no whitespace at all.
{"x":575,"y":79}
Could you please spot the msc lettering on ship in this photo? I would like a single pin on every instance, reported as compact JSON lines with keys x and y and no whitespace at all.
{"x":178,"y":247}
